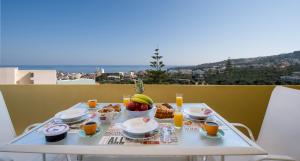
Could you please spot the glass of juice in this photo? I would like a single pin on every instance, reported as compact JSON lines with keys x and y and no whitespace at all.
{"x":126,"y":100}
{"x":179,"y":99}
{"x":178,"y":119}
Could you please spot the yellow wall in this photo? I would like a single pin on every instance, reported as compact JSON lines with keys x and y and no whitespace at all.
{"x":29,"y":104}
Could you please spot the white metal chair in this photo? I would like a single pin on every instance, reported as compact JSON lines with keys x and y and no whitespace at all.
{"x":9,"y":133}
{"x":279,"y":134}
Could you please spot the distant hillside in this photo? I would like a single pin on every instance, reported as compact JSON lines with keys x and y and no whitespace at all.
{"x":266,"y":61}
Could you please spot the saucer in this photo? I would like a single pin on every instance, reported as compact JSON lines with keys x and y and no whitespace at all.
{"x":219,"y":135}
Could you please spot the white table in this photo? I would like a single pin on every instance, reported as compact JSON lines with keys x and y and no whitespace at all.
{"x":190,"y":143}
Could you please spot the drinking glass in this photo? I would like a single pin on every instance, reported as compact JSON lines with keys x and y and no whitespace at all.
{"x":179,"y":99}
{"x":178,"y":119}
{"x":126,"y":100}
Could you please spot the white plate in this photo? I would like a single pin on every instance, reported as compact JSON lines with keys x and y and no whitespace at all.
{"x":197,"y":112}
{"x":188,"y":117}
{"x":71,"y":114}
{"x":138,"y":137}
{"x":139,"y":125}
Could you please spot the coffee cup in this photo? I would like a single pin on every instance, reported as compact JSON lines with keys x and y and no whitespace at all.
{"x":92,"y":103}
{"x":90,"y":128}
{"x":211,"y":128}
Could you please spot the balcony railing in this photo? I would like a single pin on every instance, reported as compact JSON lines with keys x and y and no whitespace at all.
{"x":29,"y":104}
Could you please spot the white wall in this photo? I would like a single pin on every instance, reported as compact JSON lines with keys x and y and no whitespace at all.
{"x":23,"y":77}
{"x":11,"y":75}
{"x":77,"y":81}
{"x":8,"y":75}
{"x":43,"y":76}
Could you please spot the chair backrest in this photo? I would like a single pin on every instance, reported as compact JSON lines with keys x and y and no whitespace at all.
{"x":280,"y":131}
{"x":7,"y":131}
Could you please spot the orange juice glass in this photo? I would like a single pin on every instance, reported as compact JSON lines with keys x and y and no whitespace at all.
{"x":178,"y":119}
{"x":126,"y":100}
{"x":179,"y":100}
{"x":92,"y":103}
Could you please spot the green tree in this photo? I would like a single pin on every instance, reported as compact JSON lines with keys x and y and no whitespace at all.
{"x":157,"y":74}
{"x":228,"y":66}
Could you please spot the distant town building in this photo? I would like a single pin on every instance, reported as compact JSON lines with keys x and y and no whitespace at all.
{"x":12,"y":75}
{"x":294,"y":78}
{"x":173,"y":71}
{"x":186,"y":71}
{"x":198,"y":74}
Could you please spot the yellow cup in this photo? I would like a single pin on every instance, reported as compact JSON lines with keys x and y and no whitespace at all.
{"x":211,"y":128}
{"x":90,"y":128}
{"x":92,"y":103}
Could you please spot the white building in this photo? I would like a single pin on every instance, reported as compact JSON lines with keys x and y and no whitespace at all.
{"x":198,"y":72}
{"x":77,"y":81}
{"x":12,"y":75}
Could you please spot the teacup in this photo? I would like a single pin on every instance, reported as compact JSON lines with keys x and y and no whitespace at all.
{"x":90,"y":128}
{"x":211,"y":128}
{"x":92,"y":103}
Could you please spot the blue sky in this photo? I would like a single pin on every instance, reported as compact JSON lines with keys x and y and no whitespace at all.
{"x":126,"y":32}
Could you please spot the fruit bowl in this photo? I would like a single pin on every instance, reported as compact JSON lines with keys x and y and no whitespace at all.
{"x":138,"y":113}
{"x":139,"y":105}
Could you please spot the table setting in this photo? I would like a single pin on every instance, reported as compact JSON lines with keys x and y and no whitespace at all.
{"x":146,"y":122}
{"x":137,"y":126}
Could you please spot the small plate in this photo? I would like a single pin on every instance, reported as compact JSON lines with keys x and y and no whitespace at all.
{"x":219,"y":135}
{"x":193,"y":119}
{"x":82,"y":134}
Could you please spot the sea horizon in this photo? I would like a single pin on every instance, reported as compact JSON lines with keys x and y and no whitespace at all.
{"x":87,"y":68}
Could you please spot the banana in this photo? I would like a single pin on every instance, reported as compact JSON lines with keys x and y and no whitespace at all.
{"x":139,"y":100}
{"x":144,"y":97}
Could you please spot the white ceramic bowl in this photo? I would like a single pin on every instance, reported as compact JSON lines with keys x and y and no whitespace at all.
{"x":108,"y":117}
{"x":138,"y":113}
{"x":139,"y":126}
{"x":197,"y":112}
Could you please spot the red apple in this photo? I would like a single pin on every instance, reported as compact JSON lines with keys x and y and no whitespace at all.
{"x":144,"y":107}
{"x":136,"y":104}
{"x":131,"y":106}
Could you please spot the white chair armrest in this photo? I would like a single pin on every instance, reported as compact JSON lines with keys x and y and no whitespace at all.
{"x":31,"y":127}
{"x":273,"y":157}
{"x":245,"y":127}
{"x":5,"y":158}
